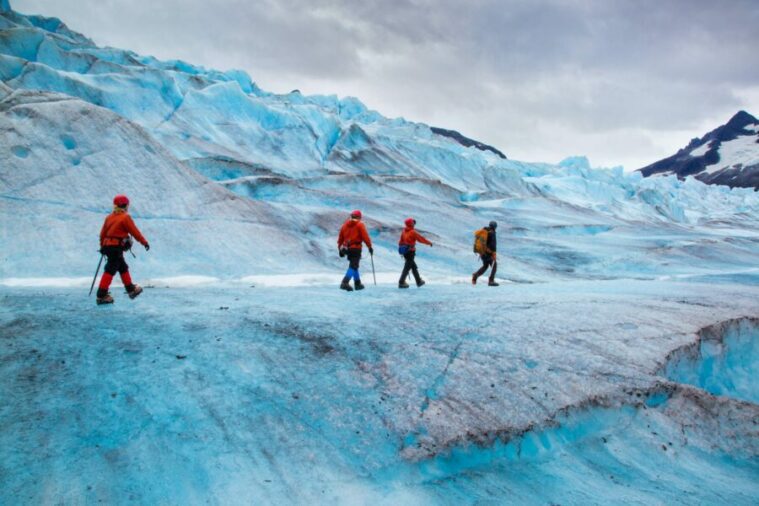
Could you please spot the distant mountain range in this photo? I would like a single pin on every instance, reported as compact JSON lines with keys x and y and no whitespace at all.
{"x":728,"y":155}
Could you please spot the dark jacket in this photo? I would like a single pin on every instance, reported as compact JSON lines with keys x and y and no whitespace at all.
{"x":491,"y":240}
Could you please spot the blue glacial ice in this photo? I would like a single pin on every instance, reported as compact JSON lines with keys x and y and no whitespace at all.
{"x":617,"y":362}
{"x":723,"y":361}
{"x":248,"y":395}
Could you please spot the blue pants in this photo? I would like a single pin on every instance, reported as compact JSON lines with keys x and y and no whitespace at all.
{"x":354,"y":257}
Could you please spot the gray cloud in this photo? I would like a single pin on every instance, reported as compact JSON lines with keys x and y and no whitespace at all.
{"x":621,"y":81}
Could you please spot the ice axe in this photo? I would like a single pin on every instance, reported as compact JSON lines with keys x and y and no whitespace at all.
{"x":374,"y":275}
{"x":96,"y":273}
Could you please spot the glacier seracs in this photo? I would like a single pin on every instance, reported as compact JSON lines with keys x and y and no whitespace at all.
{"x":240,"y":377}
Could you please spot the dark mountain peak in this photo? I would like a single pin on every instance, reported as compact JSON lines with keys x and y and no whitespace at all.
{"x":466,"y":141}
{"x":707,"y":153}
{"x":740,"y":120}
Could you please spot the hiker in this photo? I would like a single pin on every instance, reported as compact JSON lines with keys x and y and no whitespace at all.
{"x":485,"y":246}
{"x":352,"y":236}
{"x":114,"y":241}
{"x":407,"y":248}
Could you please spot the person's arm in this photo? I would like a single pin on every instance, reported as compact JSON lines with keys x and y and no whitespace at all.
{"x":340,"y":237}
{"x":421,"y":239}
{"x":134,"y":231}
{"x":102,"y":232}
{"x":365,"y":237}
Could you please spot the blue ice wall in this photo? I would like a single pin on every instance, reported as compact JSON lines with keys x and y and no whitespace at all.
{"x":724,"y":362}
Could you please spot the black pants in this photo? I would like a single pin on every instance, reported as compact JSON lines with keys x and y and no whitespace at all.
{"x":115,"y":262}
{"x":354,"y":258}
{"x":487,"y":261}
{"x":410,"y":265}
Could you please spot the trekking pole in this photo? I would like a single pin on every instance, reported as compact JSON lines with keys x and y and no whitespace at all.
{"x":96,"y":274}
{"x":374,"y":275}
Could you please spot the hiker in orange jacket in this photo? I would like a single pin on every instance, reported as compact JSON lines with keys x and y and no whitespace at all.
{"x":114,"y":241}
{"x":352,"y":236}
{"x":407,"y":248}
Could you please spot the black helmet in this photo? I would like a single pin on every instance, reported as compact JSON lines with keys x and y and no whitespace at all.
{"x":493,"y":225}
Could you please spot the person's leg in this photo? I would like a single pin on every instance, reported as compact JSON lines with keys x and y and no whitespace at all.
{"x":415,"y":269}
{"x":123,"y":269}
{"x":491,"y":280}
{"x":354,"y":255}
{"x":345,"y":284}
{"x":132,"y":289}
{"x":485,"y":264}
{"x":406,"y":269}
{"x":110,"y":269}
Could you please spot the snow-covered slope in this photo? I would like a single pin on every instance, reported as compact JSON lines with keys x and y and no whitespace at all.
{"x":728,"y":155}
{"x":267,"y":179}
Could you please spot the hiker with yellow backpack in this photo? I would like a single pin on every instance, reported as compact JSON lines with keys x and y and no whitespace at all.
{"x":485,"y":246}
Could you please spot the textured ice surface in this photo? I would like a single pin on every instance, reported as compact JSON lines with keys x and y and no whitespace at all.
{"x":532,"y":393}
{"x":257,"y":383}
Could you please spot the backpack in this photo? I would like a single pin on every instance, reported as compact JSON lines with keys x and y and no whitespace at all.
{"x":481,"y":241}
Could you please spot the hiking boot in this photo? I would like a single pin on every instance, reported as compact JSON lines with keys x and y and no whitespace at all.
{"x":493,"y":283}
{"x":346,"y":286}
{"x":105,"y":299}
{"x":420,"y":283}
{"x":135,"y":291}
{"x":402,"y":284}
{"x":474,"y":279}
{"x":359,"y":285}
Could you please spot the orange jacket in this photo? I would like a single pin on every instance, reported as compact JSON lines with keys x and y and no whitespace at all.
{"x":118,"y":226}
{"x":409,"y":237}
{"x":352,"y":235}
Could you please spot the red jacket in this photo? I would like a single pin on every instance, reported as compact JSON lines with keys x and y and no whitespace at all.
{"x":409,"y":237}
{"x":118,"y":226}
{"x":352,"y":235}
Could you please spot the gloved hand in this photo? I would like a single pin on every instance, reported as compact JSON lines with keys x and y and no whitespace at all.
{"x":371,"y":250}
{"x":342,"y":252}
{"x":430,"y":245}
{"x":147,"y":247}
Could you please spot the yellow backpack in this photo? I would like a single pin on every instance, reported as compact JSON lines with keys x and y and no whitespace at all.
{"x":481,"y":241}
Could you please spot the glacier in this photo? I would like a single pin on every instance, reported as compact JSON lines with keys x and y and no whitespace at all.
{"x":234,"y":395}
{"x":616,"y":363}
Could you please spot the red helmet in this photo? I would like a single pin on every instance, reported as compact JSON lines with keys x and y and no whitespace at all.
{"x":120,"y":201}
{"x":356,"y":214}
{"x":410,"y":222}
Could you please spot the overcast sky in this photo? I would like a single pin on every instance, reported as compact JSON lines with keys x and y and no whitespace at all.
{"x":623,"y":82}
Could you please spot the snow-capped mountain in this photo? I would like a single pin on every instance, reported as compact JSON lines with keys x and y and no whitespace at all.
{"x":728,"y":155}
